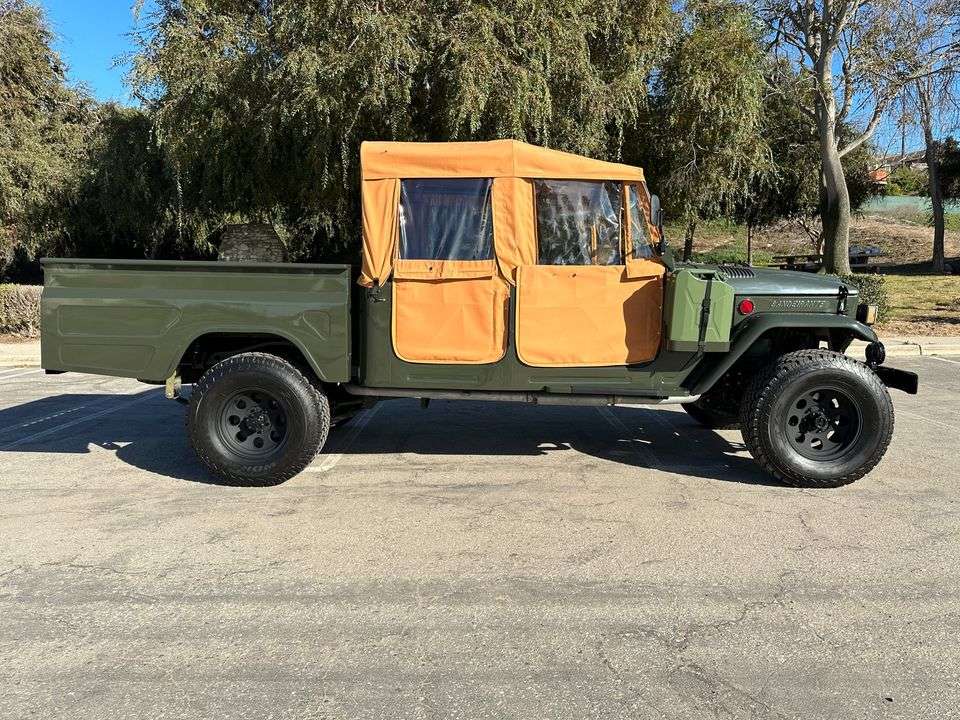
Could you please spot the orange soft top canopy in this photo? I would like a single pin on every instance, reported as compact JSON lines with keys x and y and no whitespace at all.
{"x":493,"y":159}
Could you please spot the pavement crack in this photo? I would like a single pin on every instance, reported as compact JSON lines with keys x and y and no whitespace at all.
{"x":99,"y":568}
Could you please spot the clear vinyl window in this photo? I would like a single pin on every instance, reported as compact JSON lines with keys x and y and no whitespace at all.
{"x":578,"y":222}
{"x":446,"y":219}
{"x":638,"y":210}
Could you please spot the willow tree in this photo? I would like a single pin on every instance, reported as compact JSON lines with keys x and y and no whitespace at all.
{"x":854,"y":56}
{"x":263,"y":104}
{"x":709,"y":109}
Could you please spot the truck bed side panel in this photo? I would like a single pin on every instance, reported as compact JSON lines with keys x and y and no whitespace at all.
{"x":136,"y":318}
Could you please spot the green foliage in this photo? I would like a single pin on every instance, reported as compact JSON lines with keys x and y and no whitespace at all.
{"x":948,"y":152}
{"x":20,"y":310}
{"x":732,"y":253}
{"x":126,"y":202}
{"x":263,"y":105}
{"x":906,"y":180}
{"x":872,"y":291}
{"x":44,"y":127}
{"x":254,"y":111}
{"x":707,"y":119}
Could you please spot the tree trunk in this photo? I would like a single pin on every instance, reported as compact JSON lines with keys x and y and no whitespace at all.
{"x":688,"y":239}
{"x":935,"y":188}
{"x":834,"y":208}
{"x":750,"y":244}
{"x":834,"y":196}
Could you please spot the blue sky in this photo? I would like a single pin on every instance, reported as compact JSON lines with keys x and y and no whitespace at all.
{"x":91,"y":36}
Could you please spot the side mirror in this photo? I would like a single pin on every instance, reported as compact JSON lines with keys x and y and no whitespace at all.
{"x":656,"y":215}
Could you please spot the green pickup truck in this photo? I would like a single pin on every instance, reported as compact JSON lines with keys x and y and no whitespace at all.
{"x":489,"y":271}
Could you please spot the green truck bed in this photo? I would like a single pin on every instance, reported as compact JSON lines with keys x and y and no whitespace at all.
{"x":136,"y":318}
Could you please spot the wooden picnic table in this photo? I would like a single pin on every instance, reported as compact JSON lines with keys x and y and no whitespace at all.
{"x":812,"y":262}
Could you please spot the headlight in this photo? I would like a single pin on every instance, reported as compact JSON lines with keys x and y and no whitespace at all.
{"x":867,"y":314}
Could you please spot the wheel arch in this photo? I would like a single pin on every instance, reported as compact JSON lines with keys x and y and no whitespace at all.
{"x":839,"y":331}
{"x":210,"y":346}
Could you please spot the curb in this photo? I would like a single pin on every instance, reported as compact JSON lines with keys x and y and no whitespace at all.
{"x":908,"y":348}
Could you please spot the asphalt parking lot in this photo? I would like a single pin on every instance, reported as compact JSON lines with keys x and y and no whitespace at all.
{"x":470,"y":560}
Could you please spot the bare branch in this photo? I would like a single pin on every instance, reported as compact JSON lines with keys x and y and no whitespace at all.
{"x":868,"y":132}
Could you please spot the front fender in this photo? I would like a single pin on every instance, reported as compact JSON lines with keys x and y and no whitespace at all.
{"x":751,"y":330}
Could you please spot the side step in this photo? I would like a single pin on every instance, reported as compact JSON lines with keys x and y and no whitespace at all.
{"x":533,"y":398}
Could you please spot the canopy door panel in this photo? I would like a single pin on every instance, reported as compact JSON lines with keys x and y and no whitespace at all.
{"x":449,"y":302}
{"x":593,"y":299}
{"x":587,"y":316}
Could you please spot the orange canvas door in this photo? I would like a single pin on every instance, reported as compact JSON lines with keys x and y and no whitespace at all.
{"x":591,"y":300}
{"x":449,"y":301}
{"x":587,"y":316}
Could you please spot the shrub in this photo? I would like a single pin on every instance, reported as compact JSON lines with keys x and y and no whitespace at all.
{"x":872,"y":292}
{"x":20,"y":310}
{"x":732,"y":253}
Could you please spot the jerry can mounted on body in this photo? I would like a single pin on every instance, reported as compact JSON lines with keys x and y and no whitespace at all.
{"x":698,"y":304}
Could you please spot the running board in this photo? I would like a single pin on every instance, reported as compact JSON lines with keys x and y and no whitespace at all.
{"x":539,"y":398}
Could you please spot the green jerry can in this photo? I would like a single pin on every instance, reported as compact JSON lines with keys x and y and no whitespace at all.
{"x":698,"y":311}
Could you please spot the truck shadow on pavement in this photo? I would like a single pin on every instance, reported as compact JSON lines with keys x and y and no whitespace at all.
{"x":665,"y":440}
{"x":146,"y":431}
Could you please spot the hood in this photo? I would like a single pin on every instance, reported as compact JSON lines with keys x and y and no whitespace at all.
{"x":765,"y":281}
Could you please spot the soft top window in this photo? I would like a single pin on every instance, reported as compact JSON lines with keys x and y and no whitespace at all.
{"x":638,"y":212}
{"x":578,"y":222}
{"x":446,"y":219}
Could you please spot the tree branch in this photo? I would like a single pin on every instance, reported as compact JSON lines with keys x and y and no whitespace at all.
{"x":870,"y":129}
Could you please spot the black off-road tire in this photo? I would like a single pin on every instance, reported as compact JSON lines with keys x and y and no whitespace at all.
{"x":712,"y":417}
{"x":272,"y":391}
{"x":786,"y":399}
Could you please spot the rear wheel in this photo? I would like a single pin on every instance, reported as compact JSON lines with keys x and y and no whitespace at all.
{"x":817,"y":418}
{"x":255,"y":419}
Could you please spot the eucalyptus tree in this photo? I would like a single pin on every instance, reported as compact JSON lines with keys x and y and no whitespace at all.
{"x":854,"y":57}
{"x":932,"y":103}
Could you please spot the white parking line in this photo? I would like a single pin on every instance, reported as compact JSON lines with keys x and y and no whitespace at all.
{"x":943,"y":359}
{"x":57,"y":428}
{"x":929,"y":420}
{"x":329,"y":462}
{"x":16,"y":375}
{"x":61,"y":413}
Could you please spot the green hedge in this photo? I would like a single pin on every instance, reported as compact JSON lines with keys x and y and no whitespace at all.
{"x":872,"y":292}
{"x":20,"y":310}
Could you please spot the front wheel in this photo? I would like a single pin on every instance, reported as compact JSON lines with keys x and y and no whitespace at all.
{"x":817,"y":418}
{"x":254,"y":419}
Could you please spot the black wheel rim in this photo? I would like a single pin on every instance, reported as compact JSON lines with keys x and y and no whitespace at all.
{"x":823,"y":424}
{"x":253,"y":424}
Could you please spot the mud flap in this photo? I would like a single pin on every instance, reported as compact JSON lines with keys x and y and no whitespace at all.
{"x":904,"y":380}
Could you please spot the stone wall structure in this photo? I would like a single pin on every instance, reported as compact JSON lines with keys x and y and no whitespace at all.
{"x":251,"y":242}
